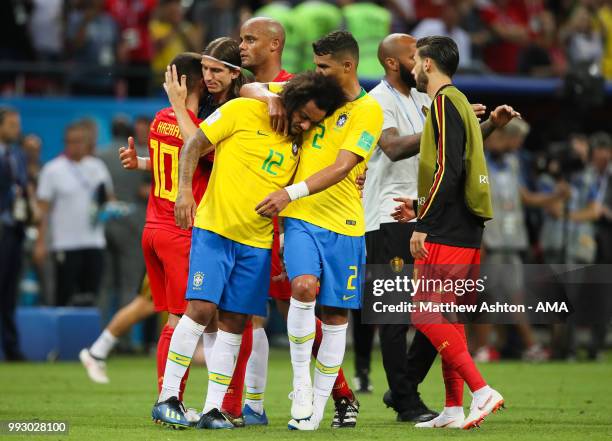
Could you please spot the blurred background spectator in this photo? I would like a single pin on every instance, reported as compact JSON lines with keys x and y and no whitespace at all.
{"x":124,"y":257}
{"x":71,"y":190}
{"x":171,"y":35}
{"x":448,"y":24}
{"x":136,"y":46}
{"x":14,"y":215}
{"x":92,"y":39}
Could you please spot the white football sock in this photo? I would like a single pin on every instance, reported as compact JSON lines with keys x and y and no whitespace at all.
{"x":329,"y":361}
{"x":182,"y":346}
{"x":208,"y":342}
{"x":453,"y":411}
{"x":221,"y":368}
{"x":103,"y":345}
{"x":257,"y":371}
{"x":301,"y":331}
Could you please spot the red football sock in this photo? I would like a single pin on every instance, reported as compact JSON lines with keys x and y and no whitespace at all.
{"x":451,"y":344}
{"x":341,"y":388}
{"x":232,"y":402}
{"x":163,"y":345}
{"x":453,"y":384}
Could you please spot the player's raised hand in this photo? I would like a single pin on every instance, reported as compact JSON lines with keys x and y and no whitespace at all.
{"x":128,"y":156}
{"x":273,"y":204}
{"x":417,"y":245}
{"x":405,"y":211}
{"x":278,"y":115}
{"x":479,"y":110}
{"x":175,"y":89}
{"x":184,"y":209}
{"x":502,"y":116}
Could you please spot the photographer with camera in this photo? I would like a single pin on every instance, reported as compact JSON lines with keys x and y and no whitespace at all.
{"x":568,"y":230}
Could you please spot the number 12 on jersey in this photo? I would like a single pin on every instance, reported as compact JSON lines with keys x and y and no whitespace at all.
{"x":165,"y":155}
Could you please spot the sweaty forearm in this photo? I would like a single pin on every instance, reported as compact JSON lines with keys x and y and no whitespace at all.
{"x":327,"y":177}
{"x":486,"y":127}
{"x":400,"y":147}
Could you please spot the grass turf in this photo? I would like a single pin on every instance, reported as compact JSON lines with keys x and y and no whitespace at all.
{"x":554,"y":401}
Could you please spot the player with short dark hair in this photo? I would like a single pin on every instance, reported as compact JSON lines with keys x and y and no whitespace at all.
{"x":229,"y":265}
{"x":338,"y":45}
{"x":166,"y":247}
{"x":453,"y":203}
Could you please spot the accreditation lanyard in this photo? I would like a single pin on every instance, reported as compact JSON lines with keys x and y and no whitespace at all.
{"x":403,"y":107}
{"x":78,"y":174}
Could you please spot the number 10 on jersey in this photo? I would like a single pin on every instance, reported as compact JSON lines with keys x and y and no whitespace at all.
{"x":164,"y":155}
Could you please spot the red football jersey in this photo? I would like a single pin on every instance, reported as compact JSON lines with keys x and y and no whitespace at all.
{"x":165,"y":143}
{"x":282,"y":76}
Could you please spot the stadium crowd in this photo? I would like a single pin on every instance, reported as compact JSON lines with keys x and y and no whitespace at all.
{"x":121,"y":47}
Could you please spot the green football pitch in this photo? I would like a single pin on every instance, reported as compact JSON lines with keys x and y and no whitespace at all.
{"x":553,"y":401}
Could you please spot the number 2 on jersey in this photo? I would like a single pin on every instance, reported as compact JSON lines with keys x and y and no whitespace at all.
{"x":161,"y":151}
{"x":320,"y":134}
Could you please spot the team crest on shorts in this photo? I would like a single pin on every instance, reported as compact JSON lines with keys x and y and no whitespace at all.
{"x":198,"y":280}
{"x":342,"y":120}
{"x":397,"y":264}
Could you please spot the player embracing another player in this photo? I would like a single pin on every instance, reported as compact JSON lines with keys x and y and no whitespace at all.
{"x":324,"y":233}
{"x":166,"y":246}
{"x":229,"y":263}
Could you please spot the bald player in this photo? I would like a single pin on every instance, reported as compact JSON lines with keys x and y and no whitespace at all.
{"x":261,"y":50}
{"x":262,"y":40}
{"x":392,"y":179}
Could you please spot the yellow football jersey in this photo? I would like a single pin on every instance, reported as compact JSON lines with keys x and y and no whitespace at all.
{"x":355,"y":127}
{"x":251,"y":161}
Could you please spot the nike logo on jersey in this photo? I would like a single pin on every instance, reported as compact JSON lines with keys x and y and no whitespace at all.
{"x":259,"y":132}
{"x":345,"y":298}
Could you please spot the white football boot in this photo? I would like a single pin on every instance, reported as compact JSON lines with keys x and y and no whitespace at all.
{"x":96,"y":369}
{"x":449,"y":418}
{"x":302,"y":397}
{"x":481,"y":407}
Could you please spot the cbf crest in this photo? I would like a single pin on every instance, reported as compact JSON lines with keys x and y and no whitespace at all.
{"x":342,"y":120}
{"x":198,"y":280}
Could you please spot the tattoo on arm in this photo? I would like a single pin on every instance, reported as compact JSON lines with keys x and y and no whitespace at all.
{"x":195,"y":147}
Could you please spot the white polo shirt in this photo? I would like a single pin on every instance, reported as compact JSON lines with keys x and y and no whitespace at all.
{"x":69,"y":187}
{"x":386,"y":179}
